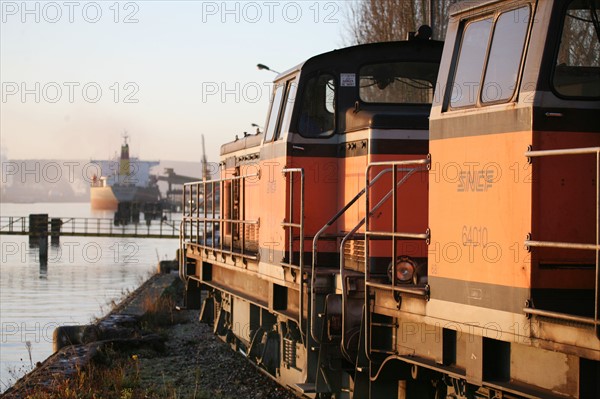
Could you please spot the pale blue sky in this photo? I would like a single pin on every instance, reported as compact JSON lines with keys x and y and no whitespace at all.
{"x":177,"y":58}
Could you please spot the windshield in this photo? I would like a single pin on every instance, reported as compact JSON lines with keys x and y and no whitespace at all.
{"x":577,"y":66}
{"x":398,"y":82}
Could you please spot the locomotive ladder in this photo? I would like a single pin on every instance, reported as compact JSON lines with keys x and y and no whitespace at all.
{"x":290,"y":225}
{"x":394,"y":235}
{"x":352,"y":235}
{"x":392,"y":193}
{"x":393,"y":167}
{"x":346,"y":237}
{"x":594,"y":321}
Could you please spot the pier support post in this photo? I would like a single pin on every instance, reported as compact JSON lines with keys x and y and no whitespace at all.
{"x":38,"y":235}
{"x":43,"y":246}
{"x":55,"y":225}
{"x":38,"y":226}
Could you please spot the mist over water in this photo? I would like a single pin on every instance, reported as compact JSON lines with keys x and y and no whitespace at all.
{"x":83,"y":276}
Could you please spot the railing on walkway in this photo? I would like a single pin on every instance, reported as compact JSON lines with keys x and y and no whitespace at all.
{"x":208,"y":227}
{"x":595,"y":246}
{"x":93,"y":227}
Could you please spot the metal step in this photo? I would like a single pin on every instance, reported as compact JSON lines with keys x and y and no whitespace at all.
{"x":307,"y":388}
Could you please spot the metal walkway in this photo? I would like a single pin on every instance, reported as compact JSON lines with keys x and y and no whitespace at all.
{"x":93,"y":227}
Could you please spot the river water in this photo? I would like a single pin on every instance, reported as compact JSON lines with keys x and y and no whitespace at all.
{"x":83,"y":276}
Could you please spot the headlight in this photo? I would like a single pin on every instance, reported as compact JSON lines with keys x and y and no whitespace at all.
{"x":405,"y":270}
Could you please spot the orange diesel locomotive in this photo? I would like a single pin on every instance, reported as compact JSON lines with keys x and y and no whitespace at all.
{"x":371,"y":245}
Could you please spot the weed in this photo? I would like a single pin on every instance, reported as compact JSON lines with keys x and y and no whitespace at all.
{"x":28,"y":347}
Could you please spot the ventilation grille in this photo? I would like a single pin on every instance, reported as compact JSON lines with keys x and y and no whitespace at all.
{"x":354,"y":255}
{"x":289,"y":352}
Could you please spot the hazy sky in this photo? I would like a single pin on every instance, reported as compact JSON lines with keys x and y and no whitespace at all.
{"x":75,"y":75}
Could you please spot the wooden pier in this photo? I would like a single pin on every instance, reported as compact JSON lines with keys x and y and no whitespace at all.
{"x":90,"y":227}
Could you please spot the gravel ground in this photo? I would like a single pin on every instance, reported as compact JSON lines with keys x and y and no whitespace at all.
{"x":198,"y":363}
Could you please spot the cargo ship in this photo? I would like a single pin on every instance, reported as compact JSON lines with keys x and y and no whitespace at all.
{"x":126,"y":180}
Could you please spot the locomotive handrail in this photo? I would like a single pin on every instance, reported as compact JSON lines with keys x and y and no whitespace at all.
{"x":343,"y":281}
{"x":394,"y":234}
{"x":408,"y":236}
{"x":214,"y":220}
{"x":300,"y":226}
{"x":290,"y":222}
{"x":581,"y":246}
{"x":424,"y":161}
{"x":561,"y":316}
{"x":566,"y":151}
{"x":340,"y":213}
{"x":182,"y":266}
{"x":196,"y":215}
{"x":221,"y":180}
{"x":226,"y":252}
{"x":409,"y":173}
{"x":413,"y":290}
{"x":315,"y":244}
{"x":563,"y":245}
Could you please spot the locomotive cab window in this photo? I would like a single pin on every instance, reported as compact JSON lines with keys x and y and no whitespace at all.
{"x":288,"y":104}
{"x":272,"y":122}
{"x":577,"y":65}
{"x":491,"y":51}
{"x":317,"y":112}
{"x":398,"y":82}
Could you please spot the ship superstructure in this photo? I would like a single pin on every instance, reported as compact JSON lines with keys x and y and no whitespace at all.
{"x":123,"y":180}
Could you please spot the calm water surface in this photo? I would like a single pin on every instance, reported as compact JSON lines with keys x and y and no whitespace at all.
{"x":83,"y":275}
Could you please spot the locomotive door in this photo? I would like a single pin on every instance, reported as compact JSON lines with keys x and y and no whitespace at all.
{"x":273,"y":186}
{"x":314,"y":150}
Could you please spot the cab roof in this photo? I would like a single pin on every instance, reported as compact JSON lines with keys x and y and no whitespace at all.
{"x":340,"y":59}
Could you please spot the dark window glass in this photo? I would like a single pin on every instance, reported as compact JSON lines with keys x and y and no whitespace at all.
{"x":289,"y":106}
{"x":330,"y":96}
{"x":577,"y":66}
{"x":274,"y":114}
{"x":471,"y":59}
{"x":318,"y":107}
{"x":505,"y":56}
{"x":398,"y":82}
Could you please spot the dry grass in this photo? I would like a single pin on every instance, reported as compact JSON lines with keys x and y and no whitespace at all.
{"x":92,"y":382}
{"x":160,"y":312}
{"x":124,"y":374}
{"x":122,"y":377}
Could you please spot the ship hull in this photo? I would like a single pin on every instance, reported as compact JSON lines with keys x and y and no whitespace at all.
{"x":103,"y":199}
{"x":109,"y":197}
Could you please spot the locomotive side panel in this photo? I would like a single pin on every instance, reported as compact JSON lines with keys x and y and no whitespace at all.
{"x":503,"y":211}
{"x":479,"y":212}
{"x":565,"y":186}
